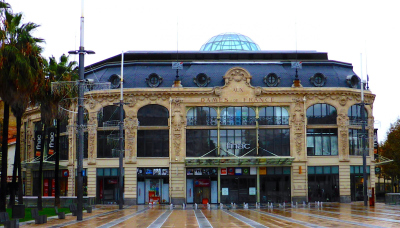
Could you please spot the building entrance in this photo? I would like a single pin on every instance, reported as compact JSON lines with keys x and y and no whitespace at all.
{"x":238,"y":188}
{"x":201,"y":185}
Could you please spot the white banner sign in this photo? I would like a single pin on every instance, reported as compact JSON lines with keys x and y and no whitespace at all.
{"x":298,"y":65}
{"x":177,"y":65}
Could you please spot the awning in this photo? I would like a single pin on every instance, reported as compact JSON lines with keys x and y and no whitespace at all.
{"x":34,"y":165}
{"x":239,"y":161}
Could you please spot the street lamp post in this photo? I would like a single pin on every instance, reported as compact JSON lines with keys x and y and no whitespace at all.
{"x":363,"y":135}
{"x":79,"y":154}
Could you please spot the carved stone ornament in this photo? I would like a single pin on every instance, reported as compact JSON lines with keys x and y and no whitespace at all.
{"x":218,"y":91}
{"x":130,"y":100}
{"x":298,"y":122}
{"x":344,"y":140}
{"x":237,"y":74}
{"x":342,"y":120}
{"x":257,"y":91}
{"x":178,"y":122}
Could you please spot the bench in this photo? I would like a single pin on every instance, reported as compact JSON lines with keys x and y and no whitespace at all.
{"x":72,"y":208}
{"x":61,"y":215}
{"x":5,"y":219}
{"x":39,"y":219}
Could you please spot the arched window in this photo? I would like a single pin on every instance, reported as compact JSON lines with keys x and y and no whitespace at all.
{"x":274,"y":116}
{"x":108,"y":119}
{"x":202,"y":116}
{"x":153,"y":115}
{"x":238,"y":116}
{"x":108,"y":115}
{"x":321,"y":114}
{"x":354,"y":114}
{"x":150,"y":142}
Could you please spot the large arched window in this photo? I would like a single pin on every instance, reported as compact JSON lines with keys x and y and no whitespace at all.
{"x":274,"y":116}
{"x":202,"y":116}
{"x":321,"y":114}
{"x":108,"y":119}
{"x":153,"y":142}
{"x":354,"y":114}
{"x":238,"y":116}
{"x":153,"y":115}
{"x":108,"y":115}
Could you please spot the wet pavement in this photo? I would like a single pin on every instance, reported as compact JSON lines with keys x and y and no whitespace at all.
{"x":327,"y":215}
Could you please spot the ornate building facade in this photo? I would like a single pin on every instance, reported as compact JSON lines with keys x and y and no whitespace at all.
{"x":231,"y":126}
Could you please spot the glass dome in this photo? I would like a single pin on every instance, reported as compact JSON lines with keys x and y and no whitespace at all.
{"x":230,"y":42}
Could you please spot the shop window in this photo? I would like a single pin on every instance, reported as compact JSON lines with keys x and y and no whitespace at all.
{"x":238,"y":142}
{"x":354,"y":114}
{"x":322,"y":142}
{"x":153,"y":143}
{"x":238,"y":116}
{"x":323,"y":183}
{"x":355,"y":141}
{"x":153,"y":115}
{"x":202,"y":116}
{"x":273,"y":116}
{"x":201,"y":143}
{"x":64,"y":147}
{"x":274,"y":142}
{"x":275,"y":185}
{"x":321,"y":114}
{"x":108,"y":185}
{"x":357,"y":182}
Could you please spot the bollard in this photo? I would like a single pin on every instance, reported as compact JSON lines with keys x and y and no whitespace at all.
{"x":171,"y":206}
{"x":195,"y":206}
{"x":208,"y":206}
{"x":304,"y":204}
{"x":234,"y":205}
{"x":284,"y":204}
{"x":296,"y":204}
{"x":221,"y":206}
{"x":321,"y":204}
{"x":183,"y":206}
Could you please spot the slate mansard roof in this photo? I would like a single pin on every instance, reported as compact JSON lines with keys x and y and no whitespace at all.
{"x":138,"y":65}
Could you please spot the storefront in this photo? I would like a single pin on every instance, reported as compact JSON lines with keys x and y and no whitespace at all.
{"x":323,"y":183}
{"x":107,"y":185}
{"x":49,"y":181}
{"x":357,"y":182}
{"x":153,"y":185}
{"x":202,"y":185}
{"x":238,"y":185}
{"x":275,"y":184}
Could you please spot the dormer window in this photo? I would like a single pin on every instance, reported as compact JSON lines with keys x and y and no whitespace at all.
{"x":154,"y":80}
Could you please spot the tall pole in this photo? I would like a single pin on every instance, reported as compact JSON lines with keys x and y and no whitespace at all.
{"x":364,"y":152}
{"x":121,"y":137}
{"x":79,"y":178}
{"x":79,"y":153}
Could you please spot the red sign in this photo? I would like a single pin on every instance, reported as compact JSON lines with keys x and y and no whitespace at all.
{"x":223,"y":171}
{"x":46,"y":187}
{"x":231,"y":171}
{"x":65,"y":173}
{"x":202,"y":183}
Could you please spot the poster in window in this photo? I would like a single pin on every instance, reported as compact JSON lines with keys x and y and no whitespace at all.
{"x":149,"y":171}
{"x":156,"y":171}
{"x":246,"y":171}
{"x":223,"y":171}
{"x":198,"y":171}
{"x":253,"y":170}
{"x":164,"y":172}
{"x":206,"y":171}
{"x":231,"y":171}
{"x":252,"y":191}
{"x":263,"y":170}
{"x":214,"y":171}
{"x":140,"y":171}
{"x":189,"y":172}
{"x":225,"y":191}
{"x":238,"y":171}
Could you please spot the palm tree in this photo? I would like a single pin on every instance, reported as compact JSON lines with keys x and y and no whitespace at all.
{"x":58,"y":72}
{"x":20,"y":65}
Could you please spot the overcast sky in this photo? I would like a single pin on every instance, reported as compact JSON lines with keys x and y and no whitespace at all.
{"x":344,"y":29}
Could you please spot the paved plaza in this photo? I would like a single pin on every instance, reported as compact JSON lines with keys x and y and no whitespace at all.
{"x":329,"y":215}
